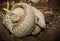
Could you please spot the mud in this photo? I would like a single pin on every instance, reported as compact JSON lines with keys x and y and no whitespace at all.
{"x":51,"y":33}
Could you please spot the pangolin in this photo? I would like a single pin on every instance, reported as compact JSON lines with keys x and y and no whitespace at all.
{"x":23,"y":19}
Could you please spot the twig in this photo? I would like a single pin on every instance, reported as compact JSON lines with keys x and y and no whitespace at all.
{"x":8,"y":11}
{"x":8,"y":4}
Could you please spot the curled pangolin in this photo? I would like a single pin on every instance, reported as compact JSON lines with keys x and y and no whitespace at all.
{"x":23,"y":19}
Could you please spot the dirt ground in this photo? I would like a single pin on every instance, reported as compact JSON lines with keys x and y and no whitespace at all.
{"x":52,"y":33}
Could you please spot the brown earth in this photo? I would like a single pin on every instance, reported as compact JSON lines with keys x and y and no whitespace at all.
{"x":52,"y":33}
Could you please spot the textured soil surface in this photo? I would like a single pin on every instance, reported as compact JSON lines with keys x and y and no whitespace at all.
{"x":52,"y":33}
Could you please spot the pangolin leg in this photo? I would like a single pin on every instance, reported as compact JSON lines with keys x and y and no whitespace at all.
{"x":36,"y":30}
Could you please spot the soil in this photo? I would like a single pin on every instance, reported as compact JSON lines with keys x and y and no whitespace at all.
{"x":51,"y":33}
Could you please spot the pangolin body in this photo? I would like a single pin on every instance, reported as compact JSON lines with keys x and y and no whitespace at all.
{"x":26,"y":26}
